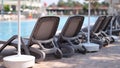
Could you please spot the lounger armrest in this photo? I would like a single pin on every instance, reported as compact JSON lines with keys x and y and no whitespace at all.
{"x":11,"y":39}
{"x":39,"y":42}
{"x":8,"y":42}
{"x":42,"y":41}
{"x":15,"y":37}
{"x":104,"y":33}
{"x":67,"y":38}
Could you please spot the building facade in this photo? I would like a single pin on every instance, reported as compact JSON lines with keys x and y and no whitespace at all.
{"x":114,"y":7}
{"x":13,"y":3}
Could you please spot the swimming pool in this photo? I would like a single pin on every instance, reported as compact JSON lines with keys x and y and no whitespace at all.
{"x":9,"y":28}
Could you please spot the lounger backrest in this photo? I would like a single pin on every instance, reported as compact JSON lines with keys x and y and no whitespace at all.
{"x":97,"y":25}
{"x":118,"y":19}
{"x":45,"y":28}
{"x":72,"y":26}
{"x":106,"y":23}
{"x":114,"y":21}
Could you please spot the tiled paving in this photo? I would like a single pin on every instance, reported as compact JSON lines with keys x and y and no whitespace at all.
{"x":107,"y":57}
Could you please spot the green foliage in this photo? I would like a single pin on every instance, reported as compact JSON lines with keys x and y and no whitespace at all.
{"x":61,"y":3}
{"x":69,"y":3}
{"x":77,"y":4}
{"x":85,"y":6}
{"x":6,"y":8}
{"x":105,"y":4}
{"x":24,"y":6}
{"x":72,"y":3}
{"x":95,"y":5}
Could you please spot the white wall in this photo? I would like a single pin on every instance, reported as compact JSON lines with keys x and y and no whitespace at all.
{"x":113,"y":1}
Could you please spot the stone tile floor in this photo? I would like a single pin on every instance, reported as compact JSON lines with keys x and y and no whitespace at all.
{"x":107,"y":57}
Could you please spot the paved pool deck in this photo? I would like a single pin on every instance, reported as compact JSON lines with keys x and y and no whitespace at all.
{"x":107,"y":57}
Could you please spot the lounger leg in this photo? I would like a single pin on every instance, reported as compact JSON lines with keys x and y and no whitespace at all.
{"x":25,"y":48}
{"x":40,"y":54}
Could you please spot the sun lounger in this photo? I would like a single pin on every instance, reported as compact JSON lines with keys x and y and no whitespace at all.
{"x":98,"y":31}
{"x":68,"y":40}
{"x":115,"y":26}
{"x":105,"y":26}
{"x":43,"y":36}
{"x":94,"y":32}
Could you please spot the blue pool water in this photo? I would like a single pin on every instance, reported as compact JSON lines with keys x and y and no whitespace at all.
{"x":9,"y":28}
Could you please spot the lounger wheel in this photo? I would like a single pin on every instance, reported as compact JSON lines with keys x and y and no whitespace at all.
{"x":112,"y":40}
{"x":39,"y":54}
{"x":106,"y":42}
{"x":82,"y":50}
{"x":67,"y":50}
{"x":58,"y":54}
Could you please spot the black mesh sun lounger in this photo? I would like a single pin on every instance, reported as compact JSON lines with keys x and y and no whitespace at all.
{"x":95,"y":29}
{"x":43,"y":36}
{"x":69,"y":35}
